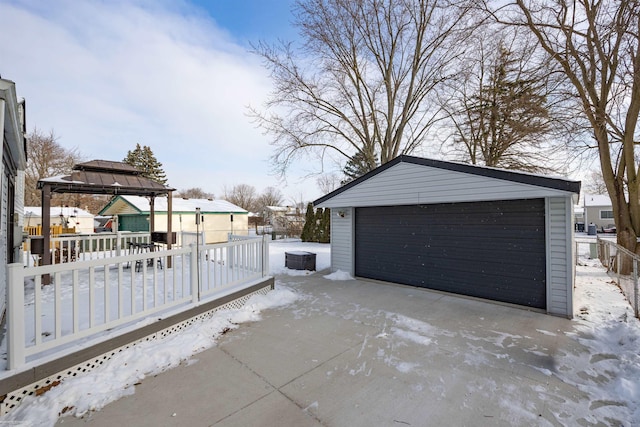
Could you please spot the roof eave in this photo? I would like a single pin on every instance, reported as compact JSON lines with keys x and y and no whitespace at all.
{"x":572,"y":187}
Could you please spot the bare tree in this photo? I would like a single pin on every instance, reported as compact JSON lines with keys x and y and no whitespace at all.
{"x":45,"y":158}
{"x":194,"y":193}
{"x":506,"y":106}
{"x":363,"y":80}
{"x":271,"y":196}
{"x":595,"y":184}
{"x":597,"y":45}
{"x":328,"y":182}
{"x":242,"y":195}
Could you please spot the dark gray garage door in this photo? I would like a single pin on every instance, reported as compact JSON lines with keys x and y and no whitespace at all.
{"x":493,"y":250}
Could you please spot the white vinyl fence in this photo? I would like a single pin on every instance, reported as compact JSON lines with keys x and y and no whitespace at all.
{"x":87,"y":298}
{"x":622,"y":265}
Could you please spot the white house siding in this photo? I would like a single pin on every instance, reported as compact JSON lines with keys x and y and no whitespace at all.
{"x":560,"y":248}
{"x":216,"y":227}
{"x":3,"y":236}
{"x":342,"y":240}
{"x":81,"y":220}
{"x":411,"y":184}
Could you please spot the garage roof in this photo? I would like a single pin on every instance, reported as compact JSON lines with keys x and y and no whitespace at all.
{"x":558,"y":184}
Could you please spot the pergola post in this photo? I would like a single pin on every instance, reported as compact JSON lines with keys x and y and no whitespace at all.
{"x":152,"y":214}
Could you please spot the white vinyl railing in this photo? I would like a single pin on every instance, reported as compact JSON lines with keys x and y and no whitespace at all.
{"x":87,"y":298}
{"x":84,"y":247}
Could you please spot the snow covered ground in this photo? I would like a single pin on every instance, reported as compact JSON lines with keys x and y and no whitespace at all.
{"x":610,"y":331}
{"x":604,"y":321}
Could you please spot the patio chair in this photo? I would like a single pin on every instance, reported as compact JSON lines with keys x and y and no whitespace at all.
{"x":146,"y":247}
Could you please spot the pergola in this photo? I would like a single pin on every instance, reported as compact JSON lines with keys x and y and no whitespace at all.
{"x":102,"y":177}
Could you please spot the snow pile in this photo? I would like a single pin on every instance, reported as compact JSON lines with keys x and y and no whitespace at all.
{"x":118,"y":376}
{"x":338,"y":275}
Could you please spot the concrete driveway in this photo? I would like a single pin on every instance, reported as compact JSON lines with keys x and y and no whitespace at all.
{"x":359,"y":353}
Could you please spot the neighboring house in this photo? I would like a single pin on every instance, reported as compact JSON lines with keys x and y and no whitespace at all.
{"x":12,"y":167}
{"x":285,"y":219}
{"x":598,"y":210}
{"x":102,"y":224}
{"x":81,"y":220}
{"x":219,"y":217}
{"x":470,"y":230}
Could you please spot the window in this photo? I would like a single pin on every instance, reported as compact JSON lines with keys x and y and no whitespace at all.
{"x":606,"y":214}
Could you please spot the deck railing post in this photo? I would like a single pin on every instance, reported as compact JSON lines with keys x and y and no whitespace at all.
{"x":636,"y":310}
{"x":194,"y":275}
{"x":265,"y":254}
{"x":15,"y":316}
{"x":118,"y":243}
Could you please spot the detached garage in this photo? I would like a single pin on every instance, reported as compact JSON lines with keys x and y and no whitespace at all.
{"x":470,"y":230}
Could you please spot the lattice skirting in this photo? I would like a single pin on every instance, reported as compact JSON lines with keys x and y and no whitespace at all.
{"x":13,"y":399}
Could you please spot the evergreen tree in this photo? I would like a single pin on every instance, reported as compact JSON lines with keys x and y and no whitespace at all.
{"x":359,"y":164}
{"x":506,"y":121}
{"x":325,"y":225}
{"x":143,"y":159}
{"x":318,"y":231}
{"x":309,"y":224}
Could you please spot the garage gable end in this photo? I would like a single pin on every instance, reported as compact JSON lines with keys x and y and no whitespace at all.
{"x":407,"y":183}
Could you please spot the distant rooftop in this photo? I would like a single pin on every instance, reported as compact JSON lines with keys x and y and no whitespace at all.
{"x":36,"y":211}
{"x":180,"y":205}
{"x":596,"y":200}
{"x":107,"y":166}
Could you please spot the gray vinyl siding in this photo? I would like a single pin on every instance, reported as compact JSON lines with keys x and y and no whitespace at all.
{"x":592,"y":215}
{"x":560,"y":256}
{"x":342,"y":240}
{"x":3,"y":212}
{"x":19,"y":209}
{"x":3,"y":234}
{"x":409,"y":184}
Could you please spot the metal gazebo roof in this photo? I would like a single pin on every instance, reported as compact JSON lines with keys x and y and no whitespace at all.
{"x":101,"y":177}
{"x":104,"y":177}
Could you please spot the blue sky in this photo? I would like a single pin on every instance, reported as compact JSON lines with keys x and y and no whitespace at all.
{"x":252,"y":19}
{"x":174,"y":75}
